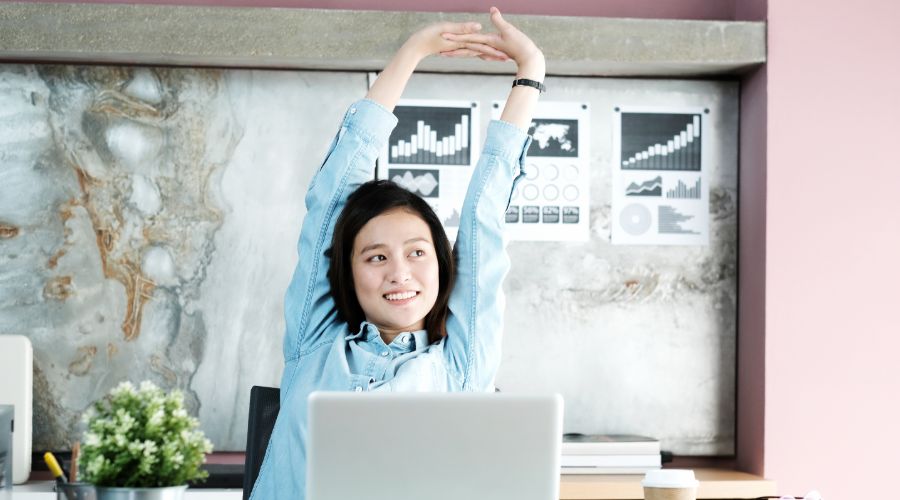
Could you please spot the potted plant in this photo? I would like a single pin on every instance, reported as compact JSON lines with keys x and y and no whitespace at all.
{"x":141,"y":444}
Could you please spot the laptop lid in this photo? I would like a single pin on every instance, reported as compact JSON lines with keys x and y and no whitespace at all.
{"x":439,"y":446}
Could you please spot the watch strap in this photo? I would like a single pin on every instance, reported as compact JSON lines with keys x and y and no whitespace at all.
{"x":529,"y":83}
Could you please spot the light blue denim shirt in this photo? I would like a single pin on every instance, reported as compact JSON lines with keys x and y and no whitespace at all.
{"x":320,"y":353}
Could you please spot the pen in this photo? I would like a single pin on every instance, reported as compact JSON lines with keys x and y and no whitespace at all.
{"x":54,"y":467}
{"x":73,"y":467}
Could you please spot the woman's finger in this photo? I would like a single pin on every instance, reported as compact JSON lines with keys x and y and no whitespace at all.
{"x":491,"y":58}
{"x":479,"y":47}
{"x":491,"y":39}
{"x":464,"y":52}
{"x":498,"y":21}
{"x":485,"y":49}
{"x":460,"y":28}
{"x":460,"y":53}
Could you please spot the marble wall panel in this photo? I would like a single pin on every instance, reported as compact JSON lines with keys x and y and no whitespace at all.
{"x":148,"y":225}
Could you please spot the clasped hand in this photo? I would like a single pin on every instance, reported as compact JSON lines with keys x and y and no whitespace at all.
{"x":466,"y":40}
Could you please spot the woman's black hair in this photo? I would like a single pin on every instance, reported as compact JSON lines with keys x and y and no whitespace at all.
{"x":369,"y":201}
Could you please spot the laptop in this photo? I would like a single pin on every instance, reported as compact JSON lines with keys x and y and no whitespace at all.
{"x":435,"y":446}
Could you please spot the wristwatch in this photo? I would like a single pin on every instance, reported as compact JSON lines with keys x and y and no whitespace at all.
{"x":530,"y":83}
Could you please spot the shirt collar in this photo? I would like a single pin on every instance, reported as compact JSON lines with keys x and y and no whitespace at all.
{"x":404,"y":342}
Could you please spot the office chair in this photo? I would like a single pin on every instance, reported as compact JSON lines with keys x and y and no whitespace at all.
{"x":265,"y":402}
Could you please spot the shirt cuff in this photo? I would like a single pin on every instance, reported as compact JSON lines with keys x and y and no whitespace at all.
{"x":371,"y":121}
{"x":506,"y":140}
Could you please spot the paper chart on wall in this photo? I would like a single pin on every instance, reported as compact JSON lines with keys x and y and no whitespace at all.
{"x":660,"y":176}
{"x":432,"y":152}
{"x":551,"y":202}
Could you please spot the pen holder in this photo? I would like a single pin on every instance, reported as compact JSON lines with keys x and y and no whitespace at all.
{"x":76,"y":491}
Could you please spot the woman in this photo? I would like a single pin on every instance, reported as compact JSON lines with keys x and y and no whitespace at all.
{"x":384,"y":308}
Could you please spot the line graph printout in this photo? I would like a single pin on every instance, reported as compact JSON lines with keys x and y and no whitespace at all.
{"x":660,"y":186}
{"x":551,"y":202}
{"x":432,"y":152}
{"x":425,"y":183}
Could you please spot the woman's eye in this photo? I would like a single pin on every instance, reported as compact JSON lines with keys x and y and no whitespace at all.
{"x":377,"y":258}
{"x":418,"y":253}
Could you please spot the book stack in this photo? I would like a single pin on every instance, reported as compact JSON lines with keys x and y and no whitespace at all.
{"x":609,"y":454}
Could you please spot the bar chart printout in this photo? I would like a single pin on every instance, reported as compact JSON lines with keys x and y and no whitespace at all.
{"x":431,"y":153}
{"x":682,"y":191}
{"x":661,"y":141}
{"x":427,"y":135}
{"x":660,"y":196}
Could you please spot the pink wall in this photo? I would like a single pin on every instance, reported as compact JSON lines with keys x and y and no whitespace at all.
{"x":832,"y":244}
{"x":667,"y":9}
{"x":751,"y":367}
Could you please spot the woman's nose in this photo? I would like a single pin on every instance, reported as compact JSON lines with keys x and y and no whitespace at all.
{"x":399,"y":272}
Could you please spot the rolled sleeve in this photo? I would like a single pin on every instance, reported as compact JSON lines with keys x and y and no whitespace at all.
{"x":506,"y":141}
{"x":371,"y":121}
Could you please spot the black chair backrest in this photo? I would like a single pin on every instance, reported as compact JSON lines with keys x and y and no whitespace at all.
{"x":265,"y":402}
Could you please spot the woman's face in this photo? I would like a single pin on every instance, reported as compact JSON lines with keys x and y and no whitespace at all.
{"x":395,"y":271}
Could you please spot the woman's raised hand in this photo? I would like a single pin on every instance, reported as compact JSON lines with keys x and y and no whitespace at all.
{"x":429,"y":41}
{"x":461,"y":40}
{"x":508,"y":40}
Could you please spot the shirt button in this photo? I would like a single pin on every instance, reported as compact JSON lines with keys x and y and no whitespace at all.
{"x":352,"y":111}
{"x":404,"y":338}
{"x":385,"y":353}
{"x":358,"y":389}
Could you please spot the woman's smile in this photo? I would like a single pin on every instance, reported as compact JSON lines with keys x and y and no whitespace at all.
{"x":400,"y":298}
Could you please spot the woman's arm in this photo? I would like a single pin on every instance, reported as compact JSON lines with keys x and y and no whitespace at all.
{"x":366,"y":127}
{"x":428,"y":41}
{"x":515,"y":45}
{"x":475,"y":325}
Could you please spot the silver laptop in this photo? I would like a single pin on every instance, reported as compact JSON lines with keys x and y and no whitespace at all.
{"x":435,"y":446}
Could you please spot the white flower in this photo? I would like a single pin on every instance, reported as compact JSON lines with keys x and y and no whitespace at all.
{"x":149,"y":448}
{"x":123,"y":388}
{"x":148,"y":386}
{"x":126,"y":421}
{"x":157,"y":418}
{"x":91,"y":439}
{"x":135,"y":448}
{"x":95,"y":465}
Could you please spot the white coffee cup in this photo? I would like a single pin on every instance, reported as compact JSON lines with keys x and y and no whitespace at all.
{"x":670,"y":484}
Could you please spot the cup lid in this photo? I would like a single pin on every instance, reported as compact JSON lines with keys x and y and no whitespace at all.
{"x":670,"y":478}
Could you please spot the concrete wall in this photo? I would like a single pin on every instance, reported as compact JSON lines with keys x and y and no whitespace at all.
{"x":832,"y":244}
{"x":668,"y":9}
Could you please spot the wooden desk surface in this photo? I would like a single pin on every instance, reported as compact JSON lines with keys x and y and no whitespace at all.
{"x":714,"y":483}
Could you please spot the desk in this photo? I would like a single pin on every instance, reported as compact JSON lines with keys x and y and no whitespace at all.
{"x":714,"y":484}
{"x":43,"y":490}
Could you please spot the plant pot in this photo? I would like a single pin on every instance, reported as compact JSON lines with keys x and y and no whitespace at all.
{"x":166,"y":493}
